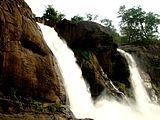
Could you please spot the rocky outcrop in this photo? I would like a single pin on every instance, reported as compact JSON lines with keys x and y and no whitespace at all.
{"x":85,"y":34}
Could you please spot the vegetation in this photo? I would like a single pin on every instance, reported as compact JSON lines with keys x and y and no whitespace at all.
{"x":83,"y":53}
{"x":52,"y":14}
{"x":89,"y":17}
{"x":121,"y":87}
{"x":16,"y":104}
{"x":24,"y":4}
{"x":137,"y":26}
{"x":77,"y":19}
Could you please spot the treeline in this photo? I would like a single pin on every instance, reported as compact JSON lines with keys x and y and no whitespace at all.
{"x":136,"y":25}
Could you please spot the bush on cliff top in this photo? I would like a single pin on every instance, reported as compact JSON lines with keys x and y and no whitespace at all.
{"x":52,"y":14}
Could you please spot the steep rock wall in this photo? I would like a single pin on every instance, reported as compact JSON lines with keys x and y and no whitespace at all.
{"x":27,"y":67}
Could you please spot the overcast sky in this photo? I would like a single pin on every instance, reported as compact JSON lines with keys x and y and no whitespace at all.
{"x":103,"y":8}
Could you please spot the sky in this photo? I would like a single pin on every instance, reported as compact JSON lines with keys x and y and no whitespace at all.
{"x":103,"y":8}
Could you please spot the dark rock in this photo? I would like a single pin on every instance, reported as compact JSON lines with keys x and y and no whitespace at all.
{"x":94,"y":75}
{"x":91,"y":72}
{"x":120,"y":70}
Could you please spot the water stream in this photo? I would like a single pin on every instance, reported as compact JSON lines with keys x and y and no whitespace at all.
{"x":140,"y":92}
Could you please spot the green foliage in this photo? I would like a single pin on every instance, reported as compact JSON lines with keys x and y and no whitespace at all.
{"x":121,"y":87}
{"x":45,"y":108}
{"x":116,"y":37}
{"x":77,"y":19}
{"x":52,"y":14}
{"x":137,"y":25}
{"x":24,"y":4}
{"x":30,"y":104}
{"x":83,"y":53}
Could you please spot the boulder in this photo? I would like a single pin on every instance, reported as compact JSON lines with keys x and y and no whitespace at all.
{"x":85,"y":34}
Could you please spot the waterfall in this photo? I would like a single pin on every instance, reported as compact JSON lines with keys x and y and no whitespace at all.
{"x":79,"y":97}
{"x":136,"y":80}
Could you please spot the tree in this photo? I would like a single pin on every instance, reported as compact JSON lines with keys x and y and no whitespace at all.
{"x":77,"y":19}
{"x":108,"y":24}
{"x":151,"y":26}
{"x":52,"y":14}
{"x":137,"y":25}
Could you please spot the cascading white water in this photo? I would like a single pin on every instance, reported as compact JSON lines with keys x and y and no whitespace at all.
{"x":75,"y":86}
{"x":144,"y":103}
{"x":79,"y":97}
{"x":136,"y":80}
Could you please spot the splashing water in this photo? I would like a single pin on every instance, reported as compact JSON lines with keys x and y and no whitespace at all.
{"x":80,"y":99}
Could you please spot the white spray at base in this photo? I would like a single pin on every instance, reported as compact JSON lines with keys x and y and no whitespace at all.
{"x":80,"y":99}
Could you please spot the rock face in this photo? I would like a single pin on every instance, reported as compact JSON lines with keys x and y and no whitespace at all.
{"x":27,"y":67}
{"x":120,"y":69}
{"x":94,"y":49}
